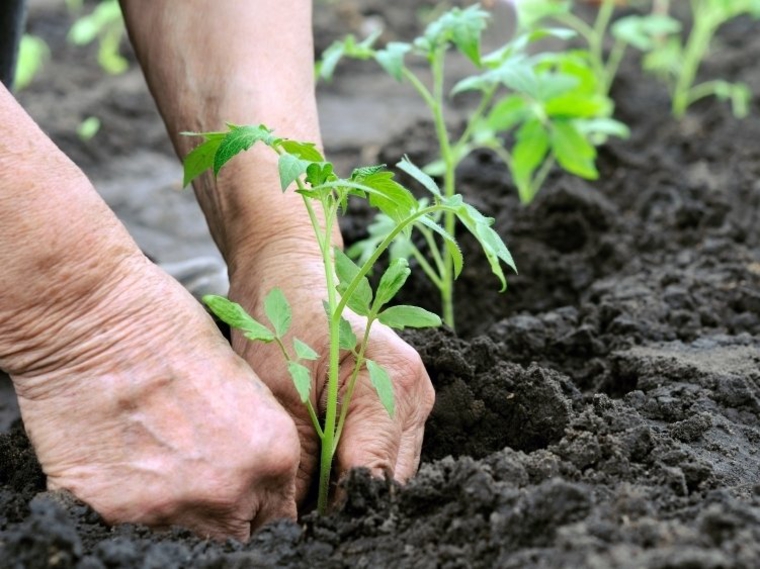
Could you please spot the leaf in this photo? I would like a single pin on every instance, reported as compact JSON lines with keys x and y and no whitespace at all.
{"x":507,"y":113}
{"x":347,"y":337}
{"x":304,"y":351}
{"x":404,"y":316}
{"x":452,"y":247}
{"x":301,"y":379}
{"x":407,"y":166}
{"x":467,"y":31}
{"x":578,"y":105}
{"x":531,"y":12}
{"x":319,"y":173}
{"x":330,"y":58}
{"x":392,"y":280}
{"x":290,"y":168}
{"x":236,"y":316}
{"x":347,"y":271}
{"x":238,"y":140}
{"x":201,"y":158}
{"x":303,"y":150}
{"x":278,"y":311}
{"x":392,"y":59}
{"x":642,"y":32}
{"x":381,"y":381}
{"x":390,"y":197}
{"x":493,"y":245}
{"x":528,"y":152}
{"x":573,"y":152}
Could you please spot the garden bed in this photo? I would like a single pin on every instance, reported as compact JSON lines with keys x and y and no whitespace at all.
{"x":603,"y":412}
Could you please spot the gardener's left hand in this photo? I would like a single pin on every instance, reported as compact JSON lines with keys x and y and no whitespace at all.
{"x":371,"y":438}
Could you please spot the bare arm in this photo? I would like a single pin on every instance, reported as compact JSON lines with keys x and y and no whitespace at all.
{"x":240,"y":61}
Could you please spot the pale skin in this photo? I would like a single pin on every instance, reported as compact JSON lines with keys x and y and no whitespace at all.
{"x":132,"y":399}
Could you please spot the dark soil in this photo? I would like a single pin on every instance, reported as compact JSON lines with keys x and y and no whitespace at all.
{"x":604,"y":412}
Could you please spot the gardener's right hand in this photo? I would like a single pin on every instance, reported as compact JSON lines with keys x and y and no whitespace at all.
{"x":132,"y":399}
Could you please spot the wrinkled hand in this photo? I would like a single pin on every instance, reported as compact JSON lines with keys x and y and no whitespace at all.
{"x":371,"y":438}
{"x":147,"y":414}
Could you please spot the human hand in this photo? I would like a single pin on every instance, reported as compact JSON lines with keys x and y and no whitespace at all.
{"x":371,"y":438}
{"x":146,"y":414}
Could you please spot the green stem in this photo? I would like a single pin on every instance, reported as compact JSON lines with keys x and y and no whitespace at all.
{"x":696,"y":46}
{"x":352,"y":382}
{"x":613,"y":64}
{"x":473,"y":120}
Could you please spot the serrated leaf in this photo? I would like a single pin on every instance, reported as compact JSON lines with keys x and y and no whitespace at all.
{"x":201,"y":158}
{"x":452,"y":247}
{"x":347,"y":270}
{"x":404,"y":316}
{"x":303,"y":150}
{"x":347,"y":337}
{"x":236,"y":316}
{"x":573,"y":152}
{"x":467,"y":31}
{"x":493,"y":246}
{"x":304,"y":351}
{"x":387,"y":195}
{"x":238,"y":140}
{"x":407,"y":166}
{"x":301,"y":379}
{"x":383,"y":385}
{"x":278,"y":311}
{"x":392,"y":58}
{"x":330,"y":58}
{"x":392,"y":280}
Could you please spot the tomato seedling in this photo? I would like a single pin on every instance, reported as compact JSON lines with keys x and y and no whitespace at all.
{"x":546,"y":105}
{"x":302,"y":166}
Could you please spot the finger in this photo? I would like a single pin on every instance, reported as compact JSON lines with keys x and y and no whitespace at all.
{"x":416,"y":414}
{"x":370,"y":438}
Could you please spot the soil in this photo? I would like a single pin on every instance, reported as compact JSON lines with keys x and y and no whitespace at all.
{"x":603,"y":412}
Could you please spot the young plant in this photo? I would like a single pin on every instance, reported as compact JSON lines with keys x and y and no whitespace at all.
{"x":676,"y":60}
{"x":347,"y":285}
{"x":637,"y":30}
{"x":105,"y":24}
{"x":548,"y":105}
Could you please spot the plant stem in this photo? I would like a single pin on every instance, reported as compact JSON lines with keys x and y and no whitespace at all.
{"x":696,"y":46}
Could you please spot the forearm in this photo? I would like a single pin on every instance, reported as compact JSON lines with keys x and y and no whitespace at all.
{"x":239,"y":61}
{"x":57,"y":240}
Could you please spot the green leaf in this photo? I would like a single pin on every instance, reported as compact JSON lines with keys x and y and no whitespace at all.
{"x":387,"y":195}
{"x":404,"y":316}
{"x":573,"y":152}
{"x":381,"y":381}
{"x":578,"y":105}
{"x":392,"y":59}
{"x":319,"y":173}
{"x":278,"y":311}
{"x":602,"y":126}
{"x":303,"y":150}
{"x":392,"y":280}
{"x":238,"y":140}
{"x":347,"y":271}
{"x":290,"y":169}
{"x":642,"y":32}
{"x":507,"y":113}
{"x":347,"y":337}
{"x":407,"y":166}
{"x":301,"y":379}
{"x":532,"y":12}
{"x":201,"y":158}
{"x":236,"y":316}
{"x":467,"y":31}
{"x":529,"y":152}
{"x":330,"y":58}
{"x":304,"y":351}
{"x":452,"y":247}
{"x":493,"y":245}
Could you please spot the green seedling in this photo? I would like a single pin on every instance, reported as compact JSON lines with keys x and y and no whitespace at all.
{"x":303,"y":167}
{"x":547,"y":106}
{"x":641,"y":31}
{"x":106,"y":25}
{"x":676,"y":59}
{"x":32,"y":54}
